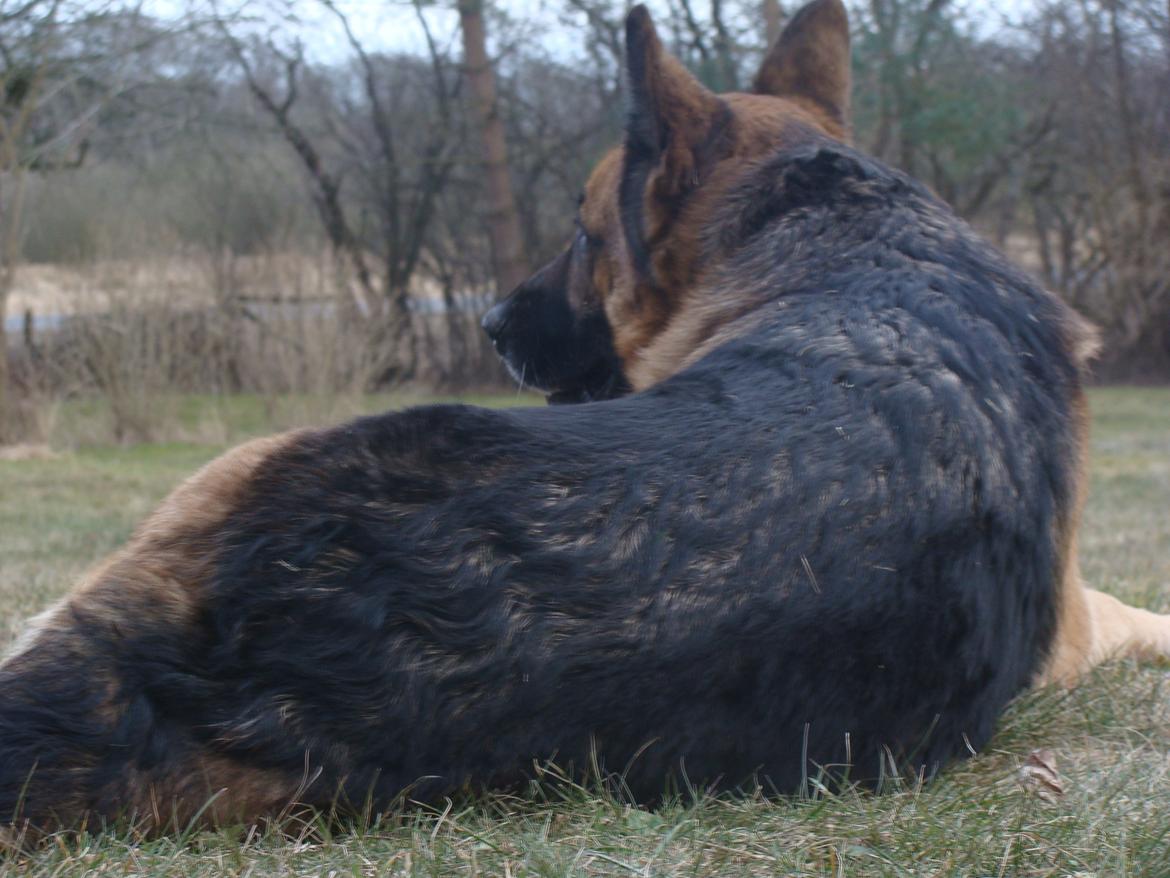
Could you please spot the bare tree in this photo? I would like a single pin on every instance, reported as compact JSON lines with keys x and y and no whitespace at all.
{"x":403,"y":159}
{"x":1099,"y":194}
{"x":773,"y":14}
{"x":503,"y":221}
{"x":62,"y":63}
{"x":325,"y":184}
{"x":603,"y":41}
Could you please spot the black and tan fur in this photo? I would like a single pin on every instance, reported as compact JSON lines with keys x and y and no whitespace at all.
{"x":815,"y":511}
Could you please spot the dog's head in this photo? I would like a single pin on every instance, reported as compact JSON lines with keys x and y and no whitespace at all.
{"x":592,"y":323}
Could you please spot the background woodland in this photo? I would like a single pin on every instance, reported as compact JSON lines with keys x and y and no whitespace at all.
{"x":321,"y":197}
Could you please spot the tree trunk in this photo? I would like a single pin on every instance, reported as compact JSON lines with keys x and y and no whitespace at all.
{"x":6,"y":417}
{"x":724,"y":50}
{"x":503,"y":221}
{"x":773,"y":20}
{"x":10,"y":220}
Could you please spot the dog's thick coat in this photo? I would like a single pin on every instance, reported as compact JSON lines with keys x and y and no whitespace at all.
{"x":833,"y":528}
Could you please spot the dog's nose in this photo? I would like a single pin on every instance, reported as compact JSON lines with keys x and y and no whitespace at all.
{"x":495,"y":320}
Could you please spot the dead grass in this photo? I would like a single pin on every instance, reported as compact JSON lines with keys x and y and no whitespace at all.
{"x":1110,"y":736}
{"x":128,"y":339}
{"x":26,"y":451}
{"x":190,"y":281}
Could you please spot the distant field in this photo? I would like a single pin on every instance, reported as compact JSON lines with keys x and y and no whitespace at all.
{"x":1111,"y":737}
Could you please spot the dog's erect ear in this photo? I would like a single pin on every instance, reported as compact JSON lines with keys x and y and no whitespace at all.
{"x":674,"y":135}
{"x":671,"y":116}
{"x":810,"y":61}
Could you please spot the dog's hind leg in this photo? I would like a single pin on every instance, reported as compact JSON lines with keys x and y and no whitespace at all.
{"x":1121,"y":631}
{"x":1096,"y":627}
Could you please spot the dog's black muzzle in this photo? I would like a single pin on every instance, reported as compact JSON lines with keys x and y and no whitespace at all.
{"x":549,"y":345}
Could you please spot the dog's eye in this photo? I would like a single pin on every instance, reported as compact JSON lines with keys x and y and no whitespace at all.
{"x":594,"y":241}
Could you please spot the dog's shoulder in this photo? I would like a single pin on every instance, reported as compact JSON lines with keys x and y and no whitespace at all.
{"x":830,"y":236}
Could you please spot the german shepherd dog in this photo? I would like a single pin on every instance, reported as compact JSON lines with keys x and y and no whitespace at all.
{"x":815,"y":514}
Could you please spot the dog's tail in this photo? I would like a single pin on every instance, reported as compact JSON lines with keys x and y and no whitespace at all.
{"x":58,"y":729}
{"x":83,"y":739}
{"x":106,"y":719}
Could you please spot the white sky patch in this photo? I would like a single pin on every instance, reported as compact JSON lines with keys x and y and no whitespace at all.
{"x":380,"y":25}
{"x":392,"y":25}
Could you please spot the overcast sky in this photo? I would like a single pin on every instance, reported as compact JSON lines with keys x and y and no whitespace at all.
{"x":391,"y":24}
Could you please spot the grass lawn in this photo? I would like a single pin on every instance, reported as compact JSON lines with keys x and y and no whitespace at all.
{"x":1110,"y":736}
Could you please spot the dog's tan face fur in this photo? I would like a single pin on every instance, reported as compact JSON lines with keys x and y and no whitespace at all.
{"x":704,"y":144}
{"x":622,"y":286}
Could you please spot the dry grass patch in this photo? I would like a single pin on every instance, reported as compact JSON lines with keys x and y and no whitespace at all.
{"x":26,"y":451}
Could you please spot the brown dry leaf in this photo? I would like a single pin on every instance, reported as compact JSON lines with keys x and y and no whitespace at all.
{"x":1038,"y":776}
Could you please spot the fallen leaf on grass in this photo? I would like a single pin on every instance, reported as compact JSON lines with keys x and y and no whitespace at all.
{"x":1038,"y":776}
